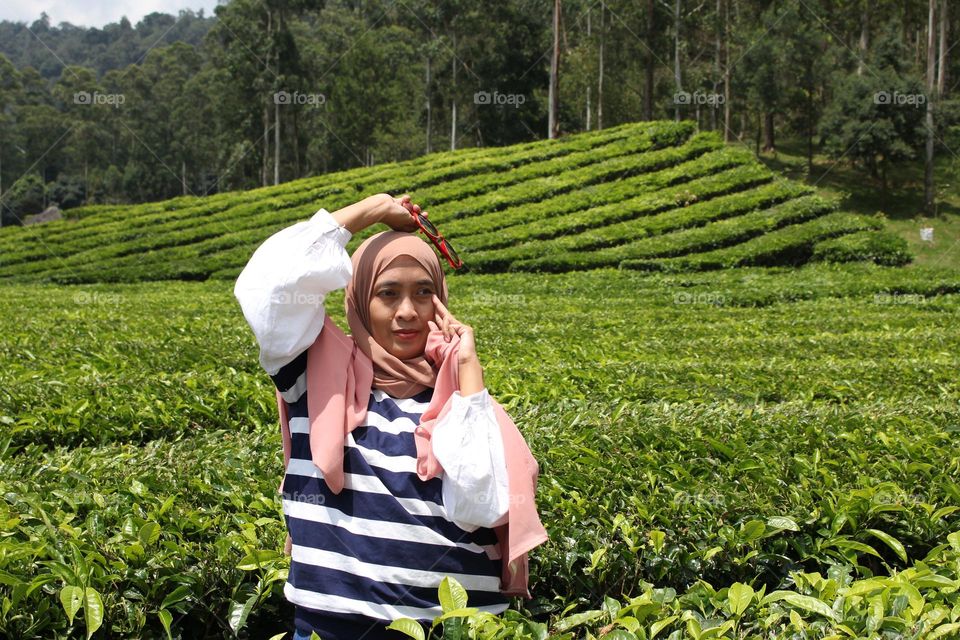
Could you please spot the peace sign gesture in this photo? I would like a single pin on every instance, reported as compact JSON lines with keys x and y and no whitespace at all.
{"x":445,"y":322}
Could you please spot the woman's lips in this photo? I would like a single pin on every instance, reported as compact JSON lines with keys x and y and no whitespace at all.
{"x":406,"y":335}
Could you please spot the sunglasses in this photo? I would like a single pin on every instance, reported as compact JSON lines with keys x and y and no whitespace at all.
{"x":438,"y":240}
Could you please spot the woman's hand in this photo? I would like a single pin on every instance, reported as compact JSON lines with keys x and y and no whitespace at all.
{"x":450,"y":327}
{"x":382,"y":207}
{"x":397,"y":213}
{"x":470,"y":371}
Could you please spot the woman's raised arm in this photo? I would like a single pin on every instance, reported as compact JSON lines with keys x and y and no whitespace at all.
{"x":284,"y":284}
{"x":282,"y":288}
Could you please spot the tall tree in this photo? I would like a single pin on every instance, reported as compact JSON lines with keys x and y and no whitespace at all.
{"x":876,"y":119}
{"x":931,"y":82}
{"x":11,"y":149}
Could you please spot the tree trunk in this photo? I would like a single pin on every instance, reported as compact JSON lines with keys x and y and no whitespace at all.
{"x":768,"y":134}
{"x":429,"y":114}
{"x":266,"y":146}
{"x":756,"y":149}
{"x":600,"y":69}
{"x":265,"y":171}
{"x":864,"y":33}
{"x":928,"y":203}
{"x":587,"y":118}
{"x":453,"y":126}
{"x":726,"y":71}
{"x":944,"y":50}
{"x":718,"y":67}
{"x":183,"y":175}
{"x":553,"y":126}
{"x":649,"y":66}
{"x":276,"y":143}
{"x":676,"y":57}
{"x":296,"y":145}
{"x":906,"y":21}
{"x":810,"y":133}
{"x":453,"y":110}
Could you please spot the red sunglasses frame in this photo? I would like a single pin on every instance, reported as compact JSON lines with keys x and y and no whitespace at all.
{"x":439,"y":241}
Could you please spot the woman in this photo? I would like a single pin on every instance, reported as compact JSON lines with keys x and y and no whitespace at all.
{"x":370,"y":538}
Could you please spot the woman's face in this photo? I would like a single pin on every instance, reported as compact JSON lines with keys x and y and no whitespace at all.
{"x":401,"y":305}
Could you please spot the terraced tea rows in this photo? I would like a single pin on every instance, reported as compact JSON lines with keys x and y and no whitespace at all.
{"x":645,"y":195}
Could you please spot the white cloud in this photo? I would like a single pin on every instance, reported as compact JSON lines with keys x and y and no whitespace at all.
{"x":96,"y":13}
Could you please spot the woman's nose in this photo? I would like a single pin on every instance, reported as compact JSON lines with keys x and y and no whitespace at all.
{"x":407,"y":310}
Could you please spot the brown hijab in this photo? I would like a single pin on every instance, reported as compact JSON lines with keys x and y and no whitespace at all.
{"x":398,"y":378}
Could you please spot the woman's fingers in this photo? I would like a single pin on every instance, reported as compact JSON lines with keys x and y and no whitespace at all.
{"x":445,"y":320}
{"x":443,"y":314}
{"x":438,"y":308}
{"x":404,"y":201}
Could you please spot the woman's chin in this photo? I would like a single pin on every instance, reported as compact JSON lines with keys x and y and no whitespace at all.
{"x":403,"y":350}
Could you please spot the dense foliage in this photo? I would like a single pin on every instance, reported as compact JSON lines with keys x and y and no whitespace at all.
{"x":751,"y":452}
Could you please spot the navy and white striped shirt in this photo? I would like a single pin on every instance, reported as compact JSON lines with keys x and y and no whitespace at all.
{"x":381,"y":547}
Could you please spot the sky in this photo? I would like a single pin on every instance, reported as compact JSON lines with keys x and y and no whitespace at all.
{"x":96,"y":13}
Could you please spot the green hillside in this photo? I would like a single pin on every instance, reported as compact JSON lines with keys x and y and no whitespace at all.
{"x":648,"y":196}
{"x":764,"y":453}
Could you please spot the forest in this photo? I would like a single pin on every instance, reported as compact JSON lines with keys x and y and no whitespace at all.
{"x":269,"y":91}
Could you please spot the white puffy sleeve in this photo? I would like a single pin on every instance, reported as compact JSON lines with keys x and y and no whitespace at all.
{"x":282,"y":288}
{"x":469,"y":447}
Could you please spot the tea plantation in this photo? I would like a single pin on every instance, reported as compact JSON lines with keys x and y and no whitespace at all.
{"x":649,"y":196}
{"x":766,"y":451}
